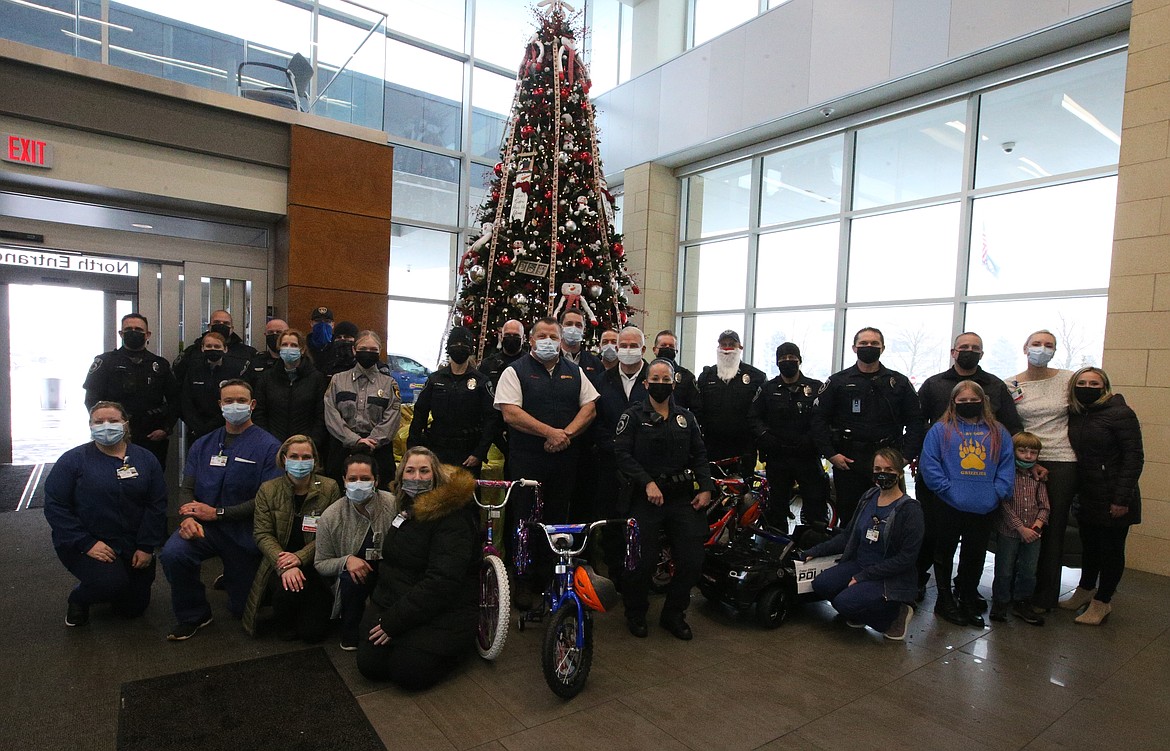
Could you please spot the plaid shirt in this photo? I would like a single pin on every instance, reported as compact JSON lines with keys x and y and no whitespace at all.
{"x":1028,"y":504}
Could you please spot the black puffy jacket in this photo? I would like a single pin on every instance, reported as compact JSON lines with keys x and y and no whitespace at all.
{"x":285,"y":408}
{"x":1108,"y":442}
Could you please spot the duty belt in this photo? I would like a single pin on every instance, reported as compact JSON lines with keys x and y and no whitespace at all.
{"x":686,"y":476}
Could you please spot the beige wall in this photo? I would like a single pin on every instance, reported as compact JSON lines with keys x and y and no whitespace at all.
{"x":650,"y":237}
{"x":1137,"y":352}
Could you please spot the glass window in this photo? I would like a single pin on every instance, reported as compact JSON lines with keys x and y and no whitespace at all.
{"x":802,"y":182}
{"x":1078,"y":323}
{"x":491,"y":107}
{"x":910,"y":158}
{"x":1044,"y":239}
{"x":700,"y":338}
{"x":619,"y":202}
{"x":351,"y":64}
{"x":713,"y":17}
{"x":604,"y":43}
{"x":1062,"y":122}
{"x":811,"y":330}
{"x":54,"y":25}
{"x":904,"y":255}
{"x":407,"y":365}
{"x":502,"y":29}
{"x":716,"y":275}
{"x":918,"y":337}
{"x":424,"y":95}
{"x":438,"y":21}
{"x":481,"y":181}
{"x":718,"y":200}
{"x":798,"y":266}
{"x":426,"y":186}
{"x":417,"y":330}
{"x":420,"y":262}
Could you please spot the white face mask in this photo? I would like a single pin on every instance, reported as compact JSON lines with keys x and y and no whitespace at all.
{"x":1040,"y":356}
{"x":630,"y":355}
{"x":572,"y":335}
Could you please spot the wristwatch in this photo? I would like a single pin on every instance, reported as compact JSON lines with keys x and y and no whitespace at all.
{"x":219,"y":511}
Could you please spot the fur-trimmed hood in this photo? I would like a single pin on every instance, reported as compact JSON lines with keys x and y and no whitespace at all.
{"x":454,"y":494}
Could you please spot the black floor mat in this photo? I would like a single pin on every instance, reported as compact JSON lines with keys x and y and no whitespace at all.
{"x":294,"y":700}
{"x":13,"y":478}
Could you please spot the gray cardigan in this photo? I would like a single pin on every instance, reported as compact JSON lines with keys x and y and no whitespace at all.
{"x":341,"y":530}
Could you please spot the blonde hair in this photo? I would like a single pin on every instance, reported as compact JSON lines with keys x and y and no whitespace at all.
{"x":1074,"y":404}
{"x":436,"y":467}
{"x":282,"y":454}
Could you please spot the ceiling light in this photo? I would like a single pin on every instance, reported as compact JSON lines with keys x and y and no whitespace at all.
{"x":142,"y":226}
{"x":1089,"y":119}
{"x":957,"y":125}
{"x":1043,"y":172}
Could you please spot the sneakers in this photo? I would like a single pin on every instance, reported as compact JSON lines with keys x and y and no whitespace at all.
{"x":218,"y":583}
{"x":1095,"y":614}
{"x":897,"y":630}
{"x":184,"y":631}
{"x":1078,"y":599}
{"x":999,"y":611}
{"x":854,"y":624}
{"x":1026,"y":613}
{"x":349,"y":644}
{"x":77,"y":615}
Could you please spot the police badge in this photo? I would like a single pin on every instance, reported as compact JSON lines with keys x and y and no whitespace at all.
{"x":746,"y":379}
{"x":682,"y":421}
{"x":471,"y":383}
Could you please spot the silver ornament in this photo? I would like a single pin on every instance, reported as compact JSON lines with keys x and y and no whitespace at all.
{"x":519,"y":299}
{"x":570,"y":225}
{"x":476,"y":274}
{"x":595,"y":291}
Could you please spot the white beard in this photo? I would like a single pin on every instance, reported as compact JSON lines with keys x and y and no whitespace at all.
{"x":727,"y":364}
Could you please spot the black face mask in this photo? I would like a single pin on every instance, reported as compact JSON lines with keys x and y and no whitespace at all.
{"x":1086,"y":395}
{"x":788,"y":368}
{"x":885,"y":480}
{"x":660,"y":392}
{"x":869,"y":355}
{"x":459,"y":354}
{"x":273,"y":341}
{"x":221,"y":328}
{"x":969,"y":410}
{"x":213,"y":355}
{"x":667,"y":353}
{"x":366,"y":359}
{"x":511,"y":344}
{"x":134,"y":339}
{"x":967,"y":360}
{"x":345,"y":350}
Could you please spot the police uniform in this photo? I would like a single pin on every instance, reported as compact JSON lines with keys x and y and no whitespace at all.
{"x":611,"y":500}
{"x":261,"y":364}
{"x":670,"y":453}
{"x":724,"y":413}
{"x":493,"y":366}
{"x":463,"y":418}
{"x":363,"y":403}
{"x":780,"y":420}
{"x":857,"y":413}
{"x":192,"y":354}
{"x":686,"y":389}
{"x":143,"y":383}
{"x":199,"y":402}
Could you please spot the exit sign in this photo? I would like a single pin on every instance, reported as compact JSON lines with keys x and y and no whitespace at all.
{"x":27,"y":151}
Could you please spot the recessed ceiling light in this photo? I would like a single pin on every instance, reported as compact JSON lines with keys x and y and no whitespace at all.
{"x":142,"y":226}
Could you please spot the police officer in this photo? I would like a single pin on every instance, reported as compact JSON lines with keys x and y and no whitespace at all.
{"x":221,"y":321}
{"x":659,"y":449}
{"x":572,"y":349}
{"x":726,"y":390}
{"x":934,"y":396}
{"x":270,"y":357}
{"x":859,"y":410}
{"x":458,"y":401}
{"x":780,"y":420}
{"x":340,"y":355}
{"x":199,"y":399}
{"x":320,"y":330}
{"x":511,"y":347}
{"x":686,"y":393}
{"x":140,"y":381}
{"x":363,"y":410}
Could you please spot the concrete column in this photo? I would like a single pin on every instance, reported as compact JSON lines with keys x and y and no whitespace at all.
{"x":650,"y":228}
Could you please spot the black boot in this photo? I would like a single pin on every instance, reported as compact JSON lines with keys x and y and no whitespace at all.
{"x":946,"y":608}
{"x":970,"y":607}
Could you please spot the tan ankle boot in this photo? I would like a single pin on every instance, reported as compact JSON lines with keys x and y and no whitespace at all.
{"x":1095,"y":614}
{"x":1078,"y":599}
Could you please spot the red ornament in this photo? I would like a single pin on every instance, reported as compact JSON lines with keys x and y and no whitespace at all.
{"x":538,"y":91}
{"x":468,"y":320}
{"x":587,"y":262}
{"x":495,"y":195}
{"x":564,"y":92}
{"x":624,"y":318}
{"x":499,"y":169}
{"x":635,"y":290}
{"x":560,"y":248}
{"x":585,"y":156}
{"x":617,"y":248}
{"x":548,"y":194}
{"x":505,"y":261}
{"x":527,"y":131}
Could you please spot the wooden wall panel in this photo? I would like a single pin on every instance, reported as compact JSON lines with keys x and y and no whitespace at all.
{"x":332,"y":249}
{"x":338,"y":173}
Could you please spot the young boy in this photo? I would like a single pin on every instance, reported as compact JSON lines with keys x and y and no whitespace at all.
{"x":1019,"y":523}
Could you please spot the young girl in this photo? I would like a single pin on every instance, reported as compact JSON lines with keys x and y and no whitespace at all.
{"x":968,"y":461}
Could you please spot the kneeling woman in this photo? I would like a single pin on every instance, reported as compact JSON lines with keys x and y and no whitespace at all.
{"x":285,"y":530}
{"x":422,"y":615}
{"x":876,"y":578}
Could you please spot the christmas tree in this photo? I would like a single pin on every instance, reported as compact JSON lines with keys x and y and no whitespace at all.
{"x":547,"y":241}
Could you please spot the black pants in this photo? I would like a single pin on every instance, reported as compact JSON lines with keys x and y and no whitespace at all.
{"x":786,"y":467}
{"x":383,"y":457}
{"x":1062,"y":482}
{"x":126,"y":587}
{"x":410,"y":668}
{"x":721,"y":446}
{"x":685,"y":529}
{"x":557,"y":474}
{"x":930,"y":503}
{"x":306,"y":612}
{"x":851,"y":484}
{"x":974,"y":530}
{"x":158,"y":448}
{"x":1102,"y":558}
{"x":612,"y":501}
{"x":353,"y":596}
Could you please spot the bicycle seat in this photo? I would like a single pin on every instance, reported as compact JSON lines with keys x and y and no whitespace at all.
{"x":561,"y":541}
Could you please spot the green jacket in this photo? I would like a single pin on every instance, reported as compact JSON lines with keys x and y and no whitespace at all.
{"x":272,"y":527}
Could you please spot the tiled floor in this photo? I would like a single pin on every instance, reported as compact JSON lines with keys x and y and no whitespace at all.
{"x":811,"y":684}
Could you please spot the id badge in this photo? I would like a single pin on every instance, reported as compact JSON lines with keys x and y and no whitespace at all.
{"x":219,"y":460}
{"x":857,"y":406}
{"x":373,"y":554}
{"x":310,"y":524}
{"x":127,"y":473}
{"x":871,"y":535}
{"x":398,"y":520}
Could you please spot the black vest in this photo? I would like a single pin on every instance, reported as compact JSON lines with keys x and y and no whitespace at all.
{"x":551,"y":398}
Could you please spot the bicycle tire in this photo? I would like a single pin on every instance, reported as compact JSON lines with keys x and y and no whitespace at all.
{"x":495,"y":608}
{"x":565,"y":667}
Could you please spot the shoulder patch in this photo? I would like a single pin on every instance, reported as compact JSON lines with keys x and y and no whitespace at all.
{"x":893,"y":382}
{"x":487,"y":385}
{"x":824,"y":386}
{"x":623,"y":421}
{"x":678,"y":377}
{"x":97,"y":363}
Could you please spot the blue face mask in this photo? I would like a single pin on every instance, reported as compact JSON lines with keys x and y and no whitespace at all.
{"x":546,"y":350}
{"x":298,"y":468}
{"x":236,"y":413}
{"x":359,"y":491}
{"x":107,"y":433}
{"x":572,"y":335}
{"x":290,"y":354}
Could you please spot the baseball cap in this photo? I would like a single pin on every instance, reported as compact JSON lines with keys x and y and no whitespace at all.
{"x":321,"y":314}
{"x":729,"y":334}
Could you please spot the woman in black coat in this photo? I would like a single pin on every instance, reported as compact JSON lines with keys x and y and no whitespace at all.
{"x":423,"y":611}
{"x":290,"y":396}
{"x":1107,"y":439}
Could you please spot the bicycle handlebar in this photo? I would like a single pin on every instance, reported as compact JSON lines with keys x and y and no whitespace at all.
{"x":632,"y":543}
{"x":508,"y":484}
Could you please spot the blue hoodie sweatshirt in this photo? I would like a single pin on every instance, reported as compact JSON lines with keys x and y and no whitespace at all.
{"x":959,"y":467}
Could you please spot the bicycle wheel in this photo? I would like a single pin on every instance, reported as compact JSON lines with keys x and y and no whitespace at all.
{"x":565,"y":665}
{"x":495,"y":606}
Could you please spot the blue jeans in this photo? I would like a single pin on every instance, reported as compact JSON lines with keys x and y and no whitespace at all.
{"x":864,"y":602}
{"x":1015,"y":569}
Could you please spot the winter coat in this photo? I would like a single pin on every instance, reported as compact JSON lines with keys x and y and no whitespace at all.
{"x":1108,"y":442}
{"x":342,"y":529}
{"x":272,"y":527}
{"x":285,"y":408}
{"x":428,"y":582}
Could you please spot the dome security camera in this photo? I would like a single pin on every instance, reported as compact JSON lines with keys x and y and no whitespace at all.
{"x":1008,"y":146}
